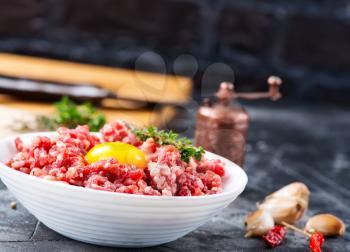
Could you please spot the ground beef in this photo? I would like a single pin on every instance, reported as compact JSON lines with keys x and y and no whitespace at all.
{"x":62,"y":159}
{"x":119,"y":131}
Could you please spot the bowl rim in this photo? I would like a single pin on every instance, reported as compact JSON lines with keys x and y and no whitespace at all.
{"x":236,"y":190}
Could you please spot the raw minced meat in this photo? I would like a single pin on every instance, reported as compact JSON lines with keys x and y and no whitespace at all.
{"x":62,"y":159}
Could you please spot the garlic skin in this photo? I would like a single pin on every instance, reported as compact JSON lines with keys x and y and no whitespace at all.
{"x":258,"y":223}
{"x":288,"y":204}
{"x":326,"y":224}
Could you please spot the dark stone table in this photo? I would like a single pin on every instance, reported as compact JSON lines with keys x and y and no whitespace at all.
{"x":287,"y":142}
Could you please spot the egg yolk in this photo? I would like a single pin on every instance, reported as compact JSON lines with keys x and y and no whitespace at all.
{"x":124,"y":153}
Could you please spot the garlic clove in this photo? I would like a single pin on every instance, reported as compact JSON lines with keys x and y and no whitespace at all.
{"x":283,"y":209}
{"x":295,"y":189}
{"x":287,"y":204}
{"x":327,"y":224}
{"x":258,"y":223}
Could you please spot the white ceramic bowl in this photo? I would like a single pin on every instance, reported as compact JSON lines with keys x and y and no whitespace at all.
{"x":115,"y":219}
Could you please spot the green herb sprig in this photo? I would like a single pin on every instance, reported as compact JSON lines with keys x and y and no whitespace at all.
{"x":183,"y":144}
{"x":70,"y":115}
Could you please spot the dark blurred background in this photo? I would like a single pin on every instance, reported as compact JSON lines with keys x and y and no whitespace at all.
{"x":306,"y":42}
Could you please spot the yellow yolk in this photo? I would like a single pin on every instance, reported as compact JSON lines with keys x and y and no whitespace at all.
{"x":124,"y":153}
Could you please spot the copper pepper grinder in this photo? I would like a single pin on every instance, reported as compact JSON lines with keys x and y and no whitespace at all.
{"x":222,"y":126}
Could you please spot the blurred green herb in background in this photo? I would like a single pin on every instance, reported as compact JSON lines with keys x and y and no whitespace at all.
{"x":70,"y":115}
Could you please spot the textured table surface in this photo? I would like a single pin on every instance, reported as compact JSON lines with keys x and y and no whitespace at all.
{"x":286,"y":143}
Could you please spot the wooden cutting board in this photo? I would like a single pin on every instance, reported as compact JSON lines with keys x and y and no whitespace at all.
{"x":140,"y":85}
{"x":127,"y":83}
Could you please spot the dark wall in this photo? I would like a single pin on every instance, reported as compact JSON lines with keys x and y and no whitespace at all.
{"x":307,"y":42}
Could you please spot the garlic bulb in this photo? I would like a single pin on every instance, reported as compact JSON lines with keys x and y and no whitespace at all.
{"x":327,"y":224}
{"x":287,"y":204}
{"x":258,"y":223}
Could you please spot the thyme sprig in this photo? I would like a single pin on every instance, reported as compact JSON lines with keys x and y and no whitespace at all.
{"x":183,"y":144}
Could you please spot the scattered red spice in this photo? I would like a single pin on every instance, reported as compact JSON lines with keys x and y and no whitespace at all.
{"x":316,"y":242}
{"x":275,"y":236}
